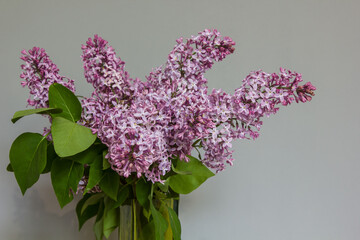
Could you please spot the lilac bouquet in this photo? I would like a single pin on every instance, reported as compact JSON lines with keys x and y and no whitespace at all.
{"x":133,"y":140}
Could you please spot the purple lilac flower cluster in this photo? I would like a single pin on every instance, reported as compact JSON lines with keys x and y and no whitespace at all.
{"x":121,"y":116}
{"x":239,"y":116}
{"x":39,"y":72}
{"x":147,"y":124}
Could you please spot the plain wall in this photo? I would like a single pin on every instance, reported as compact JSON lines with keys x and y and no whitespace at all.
{"x":299,"y":180}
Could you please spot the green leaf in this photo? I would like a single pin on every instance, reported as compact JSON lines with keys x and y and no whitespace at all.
{"x":9,"y":168}
{"x":88,"y":213}
{"x":123,"y":194}
{"x":65,"y":175}
{"x":163,"y":186}
{"x":23,"y":113}
{"x":148,"y":232}
{"x":93,"y":153}
{"x":95,"y":175}
{"x":110,"y":183}
{"x":143,"y":190}
{"x":61,"y":97}
{"x":92,"y":200}
{"x":175,"y":224}
{"x":184,"y":184}
{"x":111,"y":218}
{"x":106,"y":163}
{"x":180,"y":172}
{"x":159,"y":222}
{"x":99,"y":222}
{"x":69,"y":137}
{"x":51,"y":155}
{"x":99,"y":229}
{"x":28,"y":158}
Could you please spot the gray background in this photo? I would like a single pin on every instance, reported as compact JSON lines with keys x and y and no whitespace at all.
{"x":299,"y":180}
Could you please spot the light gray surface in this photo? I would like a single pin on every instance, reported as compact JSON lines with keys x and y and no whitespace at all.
{"x":299,"y":180}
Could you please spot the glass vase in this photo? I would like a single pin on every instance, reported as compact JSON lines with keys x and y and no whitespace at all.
{"x":136,"y":221}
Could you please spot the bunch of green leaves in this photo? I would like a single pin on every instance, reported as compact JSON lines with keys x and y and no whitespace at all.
{"x":74,"y":153}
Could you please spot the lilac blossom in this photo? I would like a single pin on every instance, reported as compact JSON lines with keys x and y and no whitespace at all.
{"x":147,"y":124}
{"x":183,"y":83}
{"x":39,"y":72}
{"x":123,"y":118}
{"x":105,"y":71}
{"x":162,"y":118}
{"x":239,"y":115}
